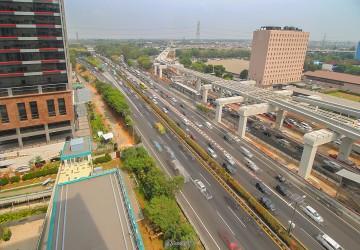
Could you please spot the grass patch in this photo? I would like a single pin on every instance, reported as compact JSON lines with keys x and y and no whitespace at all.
{"x":345,"y":95}
{"x":21,"y":214}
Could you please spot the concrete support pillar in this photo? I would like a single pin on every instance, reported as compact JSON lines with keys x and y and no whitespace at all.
{"x":242,"y":126}
{"x":72,"y":128}
{"x":280,"y":116}
{"x":9,"y":90}
{"x":345,"y":148}
{"x":205,"y":95}
{"x":40,"y":89}
{"x":160,"y":72}
{"x":307,"y":160}
{"x":198,"y":84}
{"x":218,"y":112}
{"x":18,"y":133}
{"x":47,"y":134}
{"x":155,"y":69}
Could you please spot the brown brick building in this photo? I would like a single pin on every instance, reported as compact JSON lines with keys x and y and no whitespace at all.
{"x":277,"y":55}
{"x":36,"y":101}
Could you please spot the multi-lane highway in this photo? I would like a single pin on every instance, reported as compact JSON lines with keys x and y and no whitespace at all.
{"x":211,"y":218}
{"x":305,"y":229}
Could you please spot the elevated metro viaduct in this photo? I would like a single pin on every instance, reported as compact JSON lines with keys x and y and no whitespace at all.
{"x":338,"y":122}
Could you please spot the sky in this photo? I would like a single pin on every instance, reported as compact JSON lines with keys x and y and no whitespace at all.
{"x":219,"y":19}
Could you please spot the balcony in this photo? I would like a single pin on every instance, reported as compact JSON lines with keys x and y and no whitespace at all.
{"x":29,"y":90}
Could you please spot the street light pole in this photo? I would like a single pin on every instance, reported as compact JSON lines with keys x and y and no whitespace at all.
{"x":291,"y":222}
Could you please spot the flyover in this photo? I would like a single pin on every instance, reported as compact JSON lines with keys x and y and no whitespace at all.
{"x":327,"y":115}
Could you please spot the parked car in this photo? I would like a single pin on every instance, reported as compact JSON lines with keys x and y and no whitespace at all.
{"x":311,"y":212}
{"x":262,"y":188}
{"x":282,"y":190}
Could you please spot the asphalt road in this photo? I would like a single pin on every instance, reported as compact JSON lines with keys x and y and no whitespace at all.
{"x":306,"y":229}
{"x":210,"y":217}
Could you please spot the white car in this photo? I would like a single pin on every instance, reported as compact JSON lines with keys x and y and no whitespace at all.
{"x":186,"y":121}
{"x":229,"y":159}
{"x":165,"y":110}
{"x":198,"y":124}
{"x":212,"y":153}
{"x":327,"y":242}
{"x":311,"y":212}
{"x":200,"y":185}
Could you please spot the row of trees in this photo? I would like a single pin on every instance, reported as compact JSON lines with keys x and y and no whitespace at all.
{"x":201,"y":66}
{"x":159,"y":192}
{"x":76,"y":50}
{"x":213,"y":53}
{"x":116,"y":100}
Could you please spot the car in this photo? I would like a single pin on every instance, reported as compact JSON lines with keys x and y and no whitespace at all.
{"x":229,"y":159}
{"x":211,"y":145}
{"x":251,"y":165}
{"x":331,"y":166}
{"x":311,"y":212}
{"x":267,"y":203}
{"x":283,"y":142}
{"x":262,"y":188}
{"x":328,"y":243}
{"x":198,"y":124}
{"x":182,"y":106}
{"x":229,"y":168}
{"x":228,"y":137}
{"x":208,"y":125}
{"x":158,"y":146}
{"x":229,"y":240}
{"x":281,"y":190}
{"x":246,"y":152}
{"x":212,"y":153}
{"x":165,"y":110}
{"x":186,"y":121}
{"x":200,"y":185}
{"x":280,"y":178}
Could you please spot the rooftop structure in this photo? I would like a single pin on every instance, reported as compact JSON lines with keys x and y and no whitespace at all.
{"x":35,"y":96}
{"x":277,"y":55}
{"x":92,"y":213}
{"x":76,"y":161}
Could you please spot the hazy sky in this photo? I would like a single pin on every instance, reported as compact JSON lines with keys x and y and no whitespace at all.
{"x":228,"y":19}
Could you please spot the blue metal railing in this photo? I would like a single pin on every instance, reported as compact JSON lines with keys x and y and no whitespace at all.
{"x":134,"y":227}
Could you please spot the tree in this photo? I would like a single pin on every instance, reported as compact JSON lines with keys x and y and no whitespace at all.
{"x":228,"y":76}
{"x":144,"y":62}
{"x":186,"y":61}
{"x":244,"y":74}
{"x":163,"y":212}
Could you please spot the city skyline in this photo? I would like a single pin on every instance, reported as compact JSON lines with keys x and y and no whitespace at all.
{"x":178,"y":19}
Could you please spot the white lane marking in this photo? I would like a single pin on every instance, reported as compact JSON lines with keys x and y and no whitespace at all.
{"x":59,"y":218}
{"x":311,"y":237}
{"x":65,"y":214}
{"x":197,"y":216}
{"x":125,"y":213}
{"x":225,"y":222}
{"x":118,"y":212}
{"x":205,"y":179}
{"x":232,"y":211}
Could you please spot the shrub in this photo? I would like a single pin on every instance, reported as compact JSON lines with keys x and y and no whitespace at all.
{"x":40,"y":173}
{"x":6,"y":234}
{"x":15,"y":179}
{"x":102,"y":159}
{"x":4,"y":181}
{"x":20,"y":214}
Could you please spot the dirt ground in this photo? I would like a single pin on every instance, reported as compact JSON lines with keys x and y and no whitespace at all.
{"x":24,"y":236}
{"x":121,"y":136}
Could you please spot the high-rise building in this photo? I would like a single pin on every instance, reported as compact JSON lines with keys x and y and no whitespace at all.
{"x":35,"y":94}
{"x":277,"y":55}
{"x":357,"y":53}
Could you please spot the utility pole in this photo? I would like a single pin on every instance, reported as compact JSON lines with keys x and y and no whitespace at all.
{"x":291,"y":222}
{"x":198,"y":31}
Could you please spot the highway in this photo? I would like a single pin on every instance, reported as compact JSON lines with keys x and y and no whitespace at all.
{"x":305,"y":229}
{"x":210,"y":217}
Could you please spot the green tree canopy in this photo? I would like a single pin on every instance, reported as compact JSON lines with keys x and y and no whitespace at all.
{"x":244,"y":74}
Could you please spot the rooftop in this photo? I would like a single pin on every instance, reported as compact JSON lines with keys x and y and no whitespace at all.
{"x":77,"y":147}
{"x":342,"y":77}
{"x":90,"y":213}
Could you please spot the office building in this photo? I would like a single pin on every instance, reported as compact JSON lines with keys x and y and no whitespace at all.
{"x":357,"y":52}
{"x":35,"y":96}
{"x":277,"y":55}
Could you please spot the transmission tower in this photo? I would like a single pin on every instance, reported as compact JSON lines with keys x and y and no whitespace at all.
{"x":323,"y":42}
{"x":198,"y":31}
{"x":77,"y":37}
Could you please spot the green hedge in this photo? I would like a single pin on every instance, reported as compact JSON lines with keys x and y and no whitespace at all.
{"x":102,"y":159}
{"x":20,"y":214}
{"x":267,"y":217}
{"x":14,"y":179}
{"x":40,"y":173}
{"x":4,"y":181}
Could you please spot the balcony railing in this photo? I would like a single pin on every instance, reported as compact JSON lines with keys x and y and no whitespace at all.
{"x":36,"y":89}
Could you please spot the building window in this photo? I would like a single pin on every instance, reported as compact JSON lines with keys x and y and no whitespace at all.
{"x":62,"y":106}
{"x":34,"y":110}
{"x":51,"y":107}
{"x":22,"y":111}
{"x":4,"y":114}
